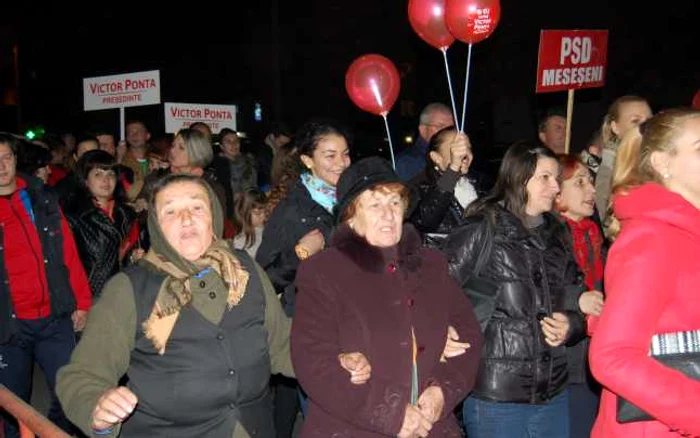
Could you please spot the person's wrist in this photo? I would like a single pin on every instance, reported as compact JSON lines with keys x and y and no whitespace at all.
{"x":105,"y":431}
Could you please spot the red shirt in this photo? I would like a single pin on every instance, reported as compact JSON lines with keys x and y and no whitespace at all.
{"x":24,"y":260}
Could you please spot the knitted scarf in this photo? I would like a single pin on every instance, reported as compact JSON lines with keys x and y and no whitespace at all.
{"x":579,"y":229}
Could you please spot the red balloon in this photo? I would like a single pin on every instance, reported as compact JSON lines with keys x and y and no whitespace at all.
{"x":471,"y":21}
{"x":427,"y":18}
{"x":373,"y":83}
{"x":696,"y":101}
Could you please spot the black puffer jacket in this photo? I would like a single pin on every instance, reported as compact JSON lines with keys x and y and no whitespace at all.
{"x":99,"y":238}
{"x":295,"y":216}
{"x":532,"y":273}
{"x":438,"y":212}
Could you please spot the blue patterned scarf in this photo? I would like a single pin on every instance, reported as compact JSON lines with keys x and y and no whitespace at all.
{"x":320,"y":191}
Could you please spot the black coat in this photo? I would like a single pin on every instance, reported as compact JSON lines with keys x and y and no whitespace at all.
{"x":437,"y":211}
{"x":533,"y":274}
{"x":295,"y":216}
{"x":99,"y":239}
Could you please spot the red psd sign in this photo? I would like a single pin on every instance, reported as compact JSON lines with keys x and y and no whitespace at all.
{"x":571,"y":59}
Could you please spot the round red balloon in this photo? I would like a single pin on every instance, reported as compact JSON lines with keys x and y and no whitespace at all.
{"x":373,"y":83}
{"x":427,"y":18}
{"x":471,"y":21}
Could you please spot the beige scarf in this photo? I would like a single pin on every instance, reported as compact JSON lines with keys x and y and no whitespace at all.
{"x":175,"y":292}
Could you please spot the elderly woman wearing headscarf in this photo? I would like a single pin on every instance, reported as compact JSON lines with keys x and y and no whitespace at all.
{"x":377,"y":295}
{"x":195,"y":326}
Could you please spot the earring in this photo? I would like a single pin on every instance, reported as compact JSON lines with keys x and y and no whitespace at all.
{"x":666,"y":175}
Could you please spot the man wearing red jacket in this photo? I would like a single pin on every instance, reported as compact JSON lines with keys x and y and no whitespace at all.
{"x":44,"y":293}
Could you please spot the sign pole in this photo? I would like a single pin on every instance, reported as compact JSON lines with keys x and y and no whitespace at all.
{"x":121,"y":123}
{"x":569,"y":113}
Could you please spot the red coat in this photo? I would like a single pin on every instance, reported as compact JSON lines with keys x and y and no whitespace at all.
{"x":355,"y":297}
{"x":652,"y":283}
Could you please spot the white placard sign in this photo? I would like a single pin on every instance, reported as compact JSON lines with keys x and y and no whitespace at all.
{"x":182,"y":115}
{"x":119,"y":91}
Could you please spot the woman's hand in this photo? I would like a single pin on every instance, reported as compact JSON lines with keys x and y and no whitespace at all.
{"x":431,"y":403}
{"x":357,"y":365}
{"x":460,"y":152}
{"x":113,"y":407}
{"x":453,"y":347}
{"x":555,"y":329}
{"x":414,"y":424}
{"x":312,"y":241}
{"x":79,"y":318}
{"x":591,"y":302}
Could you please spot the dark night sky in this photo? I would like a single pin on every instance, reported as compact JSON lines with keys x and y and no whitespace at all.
{"x":235,"y":54}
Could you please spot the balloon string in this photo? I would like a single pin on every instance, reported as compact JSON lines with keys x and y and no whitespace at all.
{"x":449,"y":83}
{"x":466,"y":87}
{"x":391,"y":145}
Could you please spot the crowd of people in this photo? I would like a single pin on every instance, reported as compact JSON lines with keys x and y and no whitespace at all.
{"x":181,"y":286}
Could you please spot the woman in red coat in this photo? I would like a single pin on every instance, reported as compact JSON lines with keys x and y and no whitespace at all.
{"x":651,"y":278}
{"x":378,"y":292}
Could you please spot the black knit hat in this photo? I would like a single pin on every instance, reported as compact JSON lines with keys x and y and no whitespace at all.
{"x":360,"y":176}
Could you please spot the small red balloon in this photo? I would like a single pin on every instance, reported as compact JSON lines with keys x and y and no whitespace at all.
{"x":696,"y":101}
{"x":427,"y":18}
{"x":373,"y":83}
{"x":471,"y":21}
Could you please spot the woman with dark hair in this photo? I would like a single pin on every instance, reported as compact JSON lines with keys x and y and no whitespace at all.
{"x":250,"y":219}
{"x":104,"y":226}
{"x":513,"y":260}
{"x":446,"y":186}
{"x":299,"y":227}
{"x":233,"y":169}
{"x":301,"y":223}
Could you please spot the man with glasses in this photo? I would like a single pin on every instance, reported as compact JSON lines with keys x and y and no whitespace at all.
{"x":433,"y":118}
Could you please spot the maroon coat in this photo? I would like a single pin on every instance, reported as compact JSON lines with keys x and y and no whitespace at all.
{"x":356,"y":297}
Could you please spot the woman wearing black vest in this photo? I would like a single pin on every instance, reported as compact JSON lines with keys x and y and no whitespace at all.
{"x":195,"y":326}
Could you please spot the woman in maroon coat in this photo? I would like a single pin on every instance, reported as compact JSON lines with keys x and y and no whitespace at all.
{"x":377,"y":294}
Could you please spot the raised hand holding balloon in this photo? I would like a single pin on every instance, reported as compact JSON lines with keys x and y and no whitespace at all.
{"x":427,"y":18}
{"x":471,"y":21}
{"x":373,"y":84}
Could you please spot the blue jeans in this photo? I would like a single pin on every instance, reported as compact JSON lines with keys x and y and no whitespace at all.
{"x":49,"y":342}
{"x":487,"y":419}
